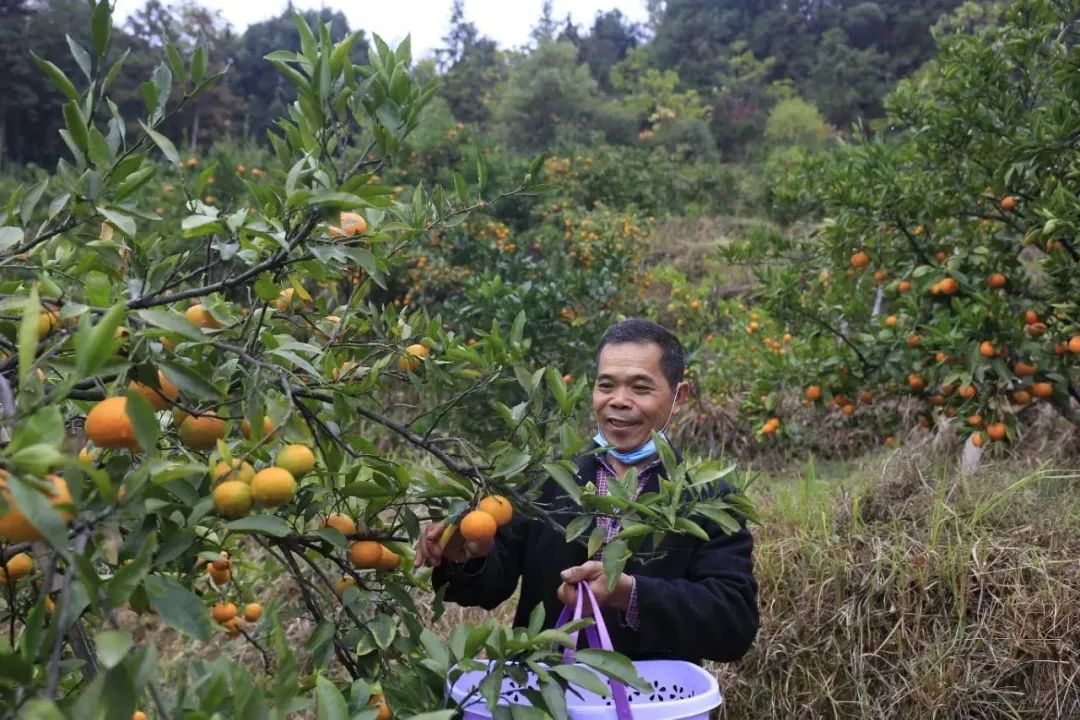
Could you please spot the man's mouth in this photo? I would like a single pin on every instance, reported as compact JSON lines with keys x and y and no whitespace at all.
{"x":620,"y":424}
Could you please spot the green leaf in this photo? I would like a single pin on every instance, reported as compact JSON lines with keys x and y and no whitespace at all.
{"x":511,"y":463}
{"x":101,"y":342}
{"x":566,"y":480}
{"x":613,"y":665}
{"x":555,"y":698}
{"x":101,"y":26}
{"x":198,"y":63}
{"x":435,"y":648}
{"x":58,"y":78}
{"x":436,"y":715}
{"x":692,"y":528}
{"x":171,"y":321}
{"x":577,"y":526}
{"x":164,"y":144}
{"x":178,"y":607}
{"x":76,"y":125}
{"x":383,"y":630}
{"x":127,"y":578}
{"x":37,"y":709}
{"x":28,"y":335}
{"x":82,"y":58}
{"x":582,"y":678}
{"x":113,"y":646}
{"x":330,"y":702}
{"x":10,"y":236}
{"x":270,"y":525}
{"x":596,"y":540}
{"x":143,"y":420}
{"x":123,"y":223}
{"x":614,"y":558}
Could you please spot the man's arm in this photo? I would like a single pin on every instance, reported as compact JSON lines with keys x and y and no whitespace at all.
{"x":486,"y":581}
{"x":711,"y":614}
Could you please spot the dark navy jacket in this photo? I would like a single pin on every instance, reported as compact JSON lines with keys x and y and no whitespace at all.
{"x":696,"y":602}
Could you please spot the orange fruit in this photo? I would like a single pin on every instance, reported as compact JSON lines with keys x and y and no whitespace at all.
{"x":223,"y":562}
{"x":975,"y":420}
{"x":949,"y":286}
{"x":904,"y":285}
{"x":340,"y":522}
{"x":14,"y":525}
{"x":202,"y":432}
{"x":199,"y":316}
{"x":237,"y":470}
{"x":138,"y":715}
{"x":866,"y":397}
{"x":344,"y":584}
{"x":48,"y":320}
{"x":968,"y":392}
{"x":1008,"y":202}
{"x":384,"y":709}
{"x":497,"y":507}
{"x":1021,"y":397}
{"x":860,"y":259}
{"x":252,"y":612}
{"x":986,"y":349}
{"x":947,"y":389}
{"x":18,"y":566}
{"x":273,"y":486}
{"x":997,"y":431}
{"x":267,"y":426}
{"x":937,"y":400}
{"x":891,"y":321}
{"x":478,"y":526}
{"x":813,"y":393}
{"x":160,"y":397}
{"x":232,"y":627}
{"x":414,"y":355}
{"x":913,"y":341}
{"x":1024,"y":369}
{"x":915,"y":382}
{"x":977,"y":439}
{"x":232,"y":499}
{"x":219,"y":576}
{"x":1074,"y":344}
{"x":108,"y":425}
{"x":87,"y":455}
{"x":1030,"y":317}
{"x":365,"y":554}
{"x":351,"y":224}
{"x":848,"y":410}
{"x":1036,"y":329}
{"x":223,"y":612}
{"x":1042,"y":390}
{"x":996,"y":280}
{"x":388,"y":559}
{"x":297,"y":459}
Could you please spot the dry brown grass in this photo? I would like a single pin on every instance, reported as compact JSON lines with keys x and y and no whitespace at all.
{"x":917,"y":594}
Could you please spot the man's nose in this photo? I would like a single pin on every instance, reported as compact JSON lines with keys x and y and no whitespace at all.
{"x":620,"y":398}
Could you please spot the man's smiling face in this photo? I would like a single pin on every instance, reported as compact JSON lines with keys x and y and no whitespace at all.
{"x":631,"y":397}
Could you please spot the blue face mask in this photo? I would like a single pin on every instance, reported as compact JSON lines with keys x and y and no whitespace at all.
{"x":629,"y":458}
{"x":634,"y":456}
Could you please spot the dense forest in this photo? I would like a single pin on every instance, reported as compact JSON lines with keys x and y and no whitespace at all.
{"x":703,"y":73}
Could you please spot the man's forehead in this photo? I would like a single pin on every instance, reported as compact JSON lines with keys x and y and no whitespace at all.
{"x":630,"y":358}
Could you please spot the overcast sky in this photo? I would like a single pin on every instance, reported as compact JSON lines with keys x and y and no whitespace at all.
{"x":507,"y":21}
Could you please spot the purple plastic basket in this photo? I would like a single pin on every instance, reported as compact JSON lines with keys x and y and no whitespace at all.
{"x":680,"y":690}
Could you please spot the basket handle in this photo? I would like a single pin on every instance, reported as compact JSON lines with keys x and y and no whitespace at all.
{"x":597,"y":637}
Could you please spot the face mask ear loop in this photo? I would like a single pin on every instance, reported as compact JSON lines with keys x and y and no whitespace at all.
{"x":671,"y":412}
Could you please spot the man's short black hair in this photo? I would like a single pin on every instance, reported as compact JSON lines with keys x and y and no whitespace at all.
{"x":642,"y":331}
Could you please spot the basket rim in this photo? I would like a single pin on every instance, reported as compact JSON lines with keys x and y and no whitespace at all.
{"x":713,"y":693}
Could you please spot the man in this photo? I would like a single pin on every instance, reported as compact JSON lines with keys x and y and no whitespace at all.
{"x":698,"y":601}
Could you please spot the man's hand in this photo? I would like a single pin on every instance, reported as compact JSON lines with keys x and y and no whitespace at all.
{"x":457,"y":550}
{"x":592,"y":572}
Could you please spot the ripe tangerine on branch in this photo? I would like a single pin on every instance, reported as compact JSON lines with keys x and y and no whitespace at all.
{"x":14,"y":525}
{"x":108,"y":425}
{"x":860,"y":259}
{"x":223,"y":612}
{"x":201,"y":432}
{"x":497,"y":507}
{"x":273,"y":486}
{"x":478,"y":526}
{"x":365,"y":554}
{"x":160,"y":397}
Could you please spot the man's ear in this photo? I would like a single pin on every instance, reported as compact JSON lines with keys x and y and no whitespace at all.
{"x":682,"y":392}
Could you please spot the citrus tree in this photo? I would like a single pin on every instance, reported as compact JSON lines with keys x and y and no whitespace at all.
{"x":213,"y":414}
{"x":941,"y":278}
